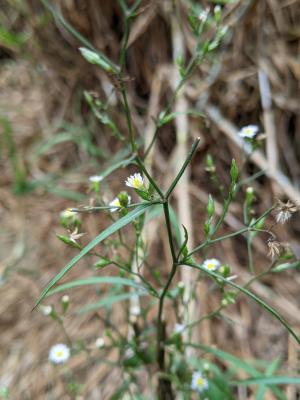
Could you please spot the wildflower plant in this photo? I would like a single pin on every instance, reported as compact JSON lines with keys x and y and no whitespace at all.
{"x":152,"y":345}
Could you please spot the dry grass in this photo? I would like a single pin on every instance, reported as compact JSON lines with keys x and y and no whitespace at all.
{"x":39,"y":93}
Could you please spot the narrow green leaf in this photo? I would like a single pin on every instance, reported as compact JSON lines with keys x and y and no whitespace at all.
{"x":69,"y":28}
{"x":116,"y":165}
{"x":109,"y":301}
{"x":285,"y":266}
{"x":120,"y":223}
{"x":268,"y":380}
{"x":96,"y":280}
{"x":270,"y":370}
{"x":266,"y":306}
{"x":238,"y":363}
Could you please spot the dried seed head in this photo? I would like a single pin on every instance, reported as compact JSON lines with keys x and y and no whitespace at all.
{"x":285,"y":211}
{"x":274,"y":248}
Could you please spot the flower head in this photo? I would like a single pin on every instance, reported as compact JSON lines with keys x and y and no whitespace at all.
{"x":99,"y":343}
{"x":249,"y":131}
{"x":68,"y":214}
{"x":117,"y":204}
{"x":135,"y":181}
{"x":65,"y":299}
{"x":46,"y":310}
{"x":179,"y":328}
{"x":59,"y":353}
{"x":135,"y":310}
{"x":199,"y":383}
{"x":274,"y":248}
{"x":96,"y":178}
{"x":212,"y":264}
{"x":74,"y":236}
{"x":285,"y":211}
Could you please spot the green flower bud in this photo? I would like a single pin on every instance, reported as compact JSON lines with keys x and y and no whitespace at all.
{"x":224,"y":270}
{"x":210,"y":206}
{"x":234,"y":172}
{"x":96,"y":59}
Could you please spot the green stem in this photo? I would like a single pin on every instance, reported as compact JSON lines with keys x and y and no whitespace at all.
{"x":183,"y":168}
{"x":128,"y":116}
{"x":160,"y":324}
{"x":194,"y":61}
{"x":230,"y":235}
{"x":250,"y":256}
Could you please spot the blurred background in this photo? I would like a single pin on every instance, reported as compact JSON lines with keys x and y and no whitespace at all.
{"x":51,"y":143}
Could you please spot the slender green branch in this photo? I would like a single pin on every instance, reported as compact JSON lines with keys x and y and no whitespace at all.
{"x":230,"y":235}
{"x":128,"y":116}
{"x":250,"y":256}
{"x":169,"y":230}
{"x":88,"y":209}
{"x":183,"y":168}
{"x":150,"y":178}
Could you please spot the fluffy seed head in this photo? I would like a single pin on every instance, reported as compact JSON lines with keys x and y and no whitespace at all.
{"x":285,"y":211}
{"x":274,"y":248}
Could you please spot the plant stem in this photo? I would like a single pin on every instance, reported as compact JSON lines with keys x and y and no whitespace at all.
{"x":164,"y":384}
{"x":230,"y":235}
{"x":186,"y":163}
{"x":128,"y":116}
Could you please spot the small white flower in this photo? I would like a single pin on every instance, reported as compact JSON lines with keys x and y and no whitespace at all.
{"x":116,"y":205}
{"x":59,"y":353}
{"x":95,"y":178}
{"x":129,"y":353}
{"x":180,"y":285}
{"x":249,"y":131}
{"x":135,"y":310}
{"x":203,"y":15}
{"x":135,"y":181}
{"x":99,"y":343}
{"x":199,"y":383}
{"x":212,"y":264}
{"x":65,"y":299}
{"x":68,"y":214}
{"x":179,"y":328}
{"x":46,"y":310}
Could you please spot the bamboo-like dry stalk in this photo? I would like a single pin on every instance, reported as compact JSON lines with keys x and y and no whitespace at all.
{"x":182,"y":189}
{"x":269,"y":122}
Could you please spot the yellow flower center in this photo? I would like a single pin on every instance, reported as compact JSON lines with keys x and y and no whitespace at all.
{"x":59,"y":353}
{"x":200,"y":382}
{"x":137,"y":183}
{"x":210,"y":266}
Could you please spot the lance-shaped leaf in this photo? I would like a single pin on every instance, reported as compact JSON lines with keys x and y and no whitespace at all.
{"x":120,"y":223}
{"x":266,"y":306}
{"x":96,"y":280}
{"x":109,"y":301}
